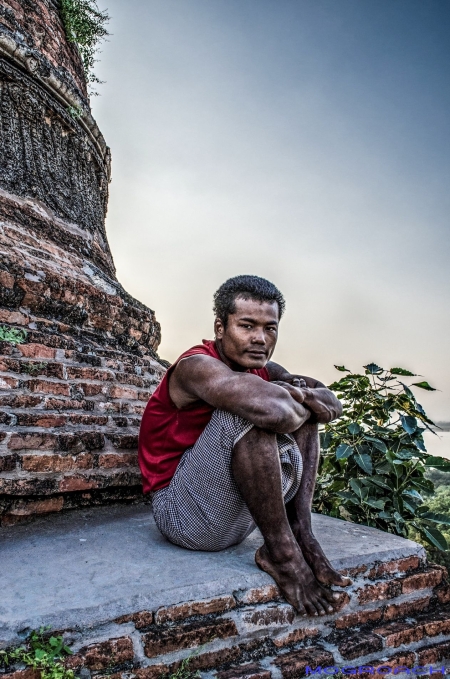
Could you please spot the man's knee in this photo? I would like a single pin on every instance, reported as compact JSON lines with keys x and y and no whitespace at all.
{"x":256,"y":439}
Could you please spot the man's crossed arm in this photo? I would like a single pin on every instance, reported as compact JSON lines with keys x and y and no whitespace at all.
{"x":322,"y":403}
{"x":281,"y":405}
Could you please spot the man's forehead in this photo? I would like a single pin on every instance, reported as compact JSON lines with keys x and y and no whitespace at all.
{"x":256,"y":309}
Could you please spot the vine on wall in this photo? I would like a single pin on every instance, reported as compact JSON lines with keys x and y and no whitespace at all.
{"x":85,"y":26}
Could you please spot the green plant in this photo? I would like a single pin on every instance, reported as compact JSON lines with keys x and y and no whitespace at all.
{"x":84,"y":25}
{"x":75,"y":112}
{"x":41,"y":652}
{"x":12,"y":335}
{"x":184,"y":672}
{"x":374,"y":458}
{"x":33,"y":368}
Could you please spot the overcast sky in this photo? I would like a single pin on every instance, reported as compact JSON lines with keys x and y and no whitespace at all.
{"x":306,"y":141}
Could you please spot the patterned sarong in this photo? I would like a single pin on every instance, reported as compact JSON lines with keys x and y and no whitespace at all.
{"x":202,"y":507}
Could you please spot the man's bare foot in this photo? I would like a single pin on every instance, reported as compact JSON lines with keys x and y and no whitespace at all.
{"x":297,"y":583}
{"x":318,"y":562}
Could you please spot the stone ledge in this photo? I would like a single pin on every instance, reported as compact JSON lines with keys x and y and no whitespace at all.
{"x":90,"y":567}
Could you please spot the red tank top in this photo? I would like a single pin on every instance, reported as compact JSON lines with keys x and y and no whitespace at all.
{"x":167,"y":431}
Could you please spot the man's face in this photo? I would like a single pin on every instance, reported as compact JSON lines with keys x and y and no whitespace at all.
{"x":251,"y":334}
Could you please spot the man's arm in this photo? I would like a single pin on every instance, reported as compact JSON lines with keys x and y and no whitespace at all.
{"x":317,"y":398}
{"x":266,"y":405}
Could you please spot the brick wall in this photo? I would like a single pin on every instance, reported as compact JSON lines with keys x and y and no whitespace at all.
{"x":395,"y":615}
{"x":71,"y":394}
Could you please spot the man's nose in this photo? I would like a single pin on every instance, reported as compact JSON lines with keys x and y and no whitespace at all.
{"x":258,"y":336}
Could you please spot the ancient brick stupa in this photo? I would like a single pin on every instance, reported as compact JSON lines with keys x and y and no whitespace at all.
{"x":74,"y":385}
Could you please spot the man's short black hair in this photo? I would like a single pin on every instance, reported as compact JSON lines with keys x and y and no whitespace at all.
{"x":247,"y":287}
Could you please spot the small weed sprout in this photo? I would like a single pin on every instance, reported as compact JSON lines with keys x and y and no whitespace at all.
{"x":33,"y":368}
{"x":12,"y":335}
{"x":75,"y":112}
{"x":42,"y":653}
{"x":184,"y":672}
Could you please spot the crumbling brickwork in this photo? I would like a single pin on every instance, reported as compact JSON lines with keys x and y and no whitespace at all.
{"x":71,"y":394}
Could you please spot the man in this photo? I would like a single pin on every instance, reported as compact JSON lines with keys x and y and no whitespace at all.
{"x":229,"y":440}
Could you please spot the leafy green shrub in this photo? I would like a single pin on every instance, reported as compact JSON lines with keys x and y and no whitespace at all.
{"x":12,"y":335}
{"x":84,"y":25}
{"x":41,"y":652}
{"x":374,"y":458}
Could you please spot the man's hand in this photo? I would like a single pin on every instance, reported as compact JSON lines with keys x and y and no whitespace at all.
{"x":295,"y":388}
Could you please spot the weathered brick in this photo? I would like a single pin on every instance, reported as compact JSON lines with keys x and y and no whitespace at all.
{"x":13,"y":317}
{"x":7,"y":280}
{"x":33,"y":350}
{"x":250,"y":670}
{"x":386,"y":589}
{"x":429,"y":578}
{"x":359,"y":644}
{"x":7,"y":382}
{"x":435,"y":623}
{"x":39,"y":419}
{"x":141,"y":619}
{"x":74,"y":483}
{"x":81,"y":441}
{"x":124,"y":441}
{"x":187,"y":636}
{"x":27,"y":673}
{"x":56,"y":463}
{"x":189,"y":608}
{"x":81,"y":418}
{"x":293,"y":665}
{"x":283,"y":614}
{"x":7,"y":463}
{"x":393,"y":611}
{"x":79,"y":373}
{"x":20,"y":400}
{"x":434,"y":653}
{"x":397,"y":633}
{"x":399,"y":566}
{"x":295,"y":636}
{"x":49,"y":387}
{"x":123,"y":392}
{"x":359,"y":618}
{"x":90,"y":388}
{"x":152,"y":672}
{"x":259,"y":595}
{"x":443,"y":593}
{"x":37,"y":441}
{"x":112,"y":460}
{"x":103,"y":655}
{"x":24,"y":508}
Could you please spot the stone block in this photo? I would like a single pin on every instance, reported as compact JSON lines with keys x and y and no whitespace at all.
{"x":264,"y":616}
{"x":293,"y":665}
{"x":190,"y":608}
{"x":387,"y":589}
{"x":103,"y":655}
{"x":250,"y":670}
{"x":360,"y":617}
{"x":397,"y":633}
{"x":186,"y":636}
{"x":259,"y":595}
{"x":429,"y":578}
{"x":394,"y":611}
{"x":357,"y":645}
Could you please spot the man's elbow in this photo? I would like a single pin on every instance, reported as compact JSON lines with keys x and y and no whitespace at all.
{"x":281,"y":418}
{"x":332,"y":412}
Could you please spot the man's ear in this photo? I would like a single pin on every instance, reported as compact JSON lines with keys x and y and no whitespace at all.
{"x":218,"y":328}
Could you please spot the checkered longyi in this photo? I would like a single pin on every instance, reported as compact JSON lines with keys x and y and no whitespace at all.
{"x":202,"y":507}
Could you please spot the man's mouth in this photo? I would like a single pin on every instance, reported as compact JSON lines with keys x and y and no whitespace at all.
{"x":255,"y":352}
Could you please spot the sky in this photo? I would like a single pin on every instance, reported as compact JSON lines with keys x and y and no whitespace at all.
{"x":305,"y":141}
